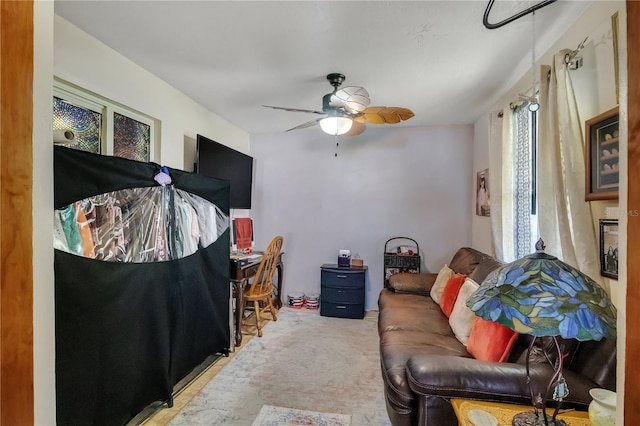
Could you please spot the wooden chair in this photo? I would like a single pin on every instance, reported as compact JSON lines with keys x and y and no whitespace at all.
{"x":261,"y":288}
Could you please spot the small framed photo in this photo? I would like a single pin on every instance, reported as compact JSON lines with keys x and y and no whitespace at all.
{"x":609,"y":248}
{"x":482,"y":191}
{"x":602,"y":156}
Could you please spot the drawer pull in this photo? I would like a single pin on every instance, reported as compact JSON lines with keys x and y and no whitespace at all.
{"x":341,"y":307}
{"x":341,"y":276}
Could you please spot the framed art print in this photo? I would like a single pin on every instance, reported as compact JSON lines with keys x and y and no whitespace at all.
{"x":482,"y":191}
{"x":602,"y":176}
{"x":609,"y":248}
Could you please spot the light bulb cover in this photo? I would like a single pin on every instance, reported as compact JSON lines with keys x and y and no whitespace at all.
{"x":336,"y":124}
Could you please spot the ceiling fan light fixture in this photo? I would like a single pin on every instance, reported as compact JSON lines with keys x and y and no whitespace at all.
{"x":336,"y":124}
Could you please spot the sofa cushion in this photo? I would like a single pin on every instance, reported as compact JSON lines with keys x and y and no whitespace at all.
{"x":462,"y":318}
{"x":406,"y":282}
{"x":484,"y":268}
{"x":410,"y":312}
{"x":450,"y":293}
{"x":465,"y":260}
{"x":490,"y":341}
{"x":441,"y":282}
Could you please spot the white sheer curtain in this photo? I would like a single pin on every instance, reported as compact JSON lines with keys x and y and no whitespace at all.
{"x":564,"y":218}
{"x":501,"y":183}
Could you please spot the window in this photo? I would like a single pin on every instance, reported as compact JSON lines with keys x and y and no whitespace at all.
{"x":84,"y":120}
{"x":131,"y":138}
{"x":524,"y":185}
{"x":102,"y":126}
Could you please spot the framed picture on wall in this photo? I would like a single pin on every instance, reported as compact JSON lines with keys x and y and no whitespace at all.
{"x":482,"y":193}
{"x":609,"y":248}
{"x":602,"y":176}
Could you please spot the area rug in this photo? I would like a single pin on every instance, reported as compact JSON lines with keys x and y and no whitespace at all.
{"x":303,"y":360}
{"x":282,"y":416}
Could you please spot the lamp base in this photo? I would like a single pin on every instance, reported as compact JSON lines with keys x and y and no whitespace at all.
{"x":529,"y":418}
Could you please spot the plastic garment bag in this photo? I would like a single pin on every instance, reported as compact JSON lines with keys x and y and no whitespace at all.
{"x":138,"y":225}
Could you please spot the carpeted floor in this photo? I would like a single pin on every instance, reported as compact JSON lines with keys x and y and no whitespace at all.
{"x":304,"y":361}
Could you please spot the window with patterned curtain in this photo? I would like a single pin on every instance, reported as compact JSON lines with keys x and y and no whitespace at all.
{"x":524,"y":185}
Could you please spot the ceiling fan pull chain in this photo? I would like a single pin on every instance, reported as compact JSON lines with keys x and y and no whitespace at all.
{"x":337,"y":146}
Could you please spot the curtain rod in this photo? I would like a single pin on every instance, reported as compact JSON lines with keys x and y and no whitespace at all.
{"x":572,"y":59}
{"x":490,"y":26}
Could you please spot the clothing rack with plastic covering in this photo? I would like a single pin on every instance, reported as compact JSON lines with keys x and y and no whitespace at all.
{"x":141,"y":283}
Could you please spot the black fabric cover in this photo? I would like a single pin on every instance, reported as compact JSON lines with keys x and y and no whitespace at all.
{"x":80,"y":174}
{"x":126,"y":333}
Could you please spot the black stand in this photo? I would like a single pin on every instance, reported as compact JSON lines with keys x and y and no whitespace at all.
{"x":539,"y":417}
{"x":531,"y":418}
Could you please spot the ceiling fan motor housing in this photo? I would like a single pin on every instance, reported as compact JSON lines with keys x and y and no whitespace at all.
{"x":335,"y":79}
{"x":326,"y":103}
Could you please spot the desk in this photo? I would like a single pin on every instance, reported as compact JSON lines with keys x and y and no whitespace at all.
{"x":240,"y":274}
{"x":505,"y":412}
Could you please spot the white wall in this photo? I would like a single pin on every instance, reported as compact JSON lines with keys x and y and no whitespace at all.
{"x":480,"y":225}
{"x":387,"y":182}
{"x":594,"y":85}
{"x":86,"y":62}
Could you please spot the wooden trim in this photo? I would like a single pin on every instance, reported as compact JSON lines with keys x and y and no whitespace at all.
{"x":16,"y":224}
{"x":632,"y":350}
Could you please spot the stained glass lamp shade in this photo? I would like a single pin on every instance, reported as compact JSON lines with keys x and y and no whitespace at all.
{"x":542,"y":296}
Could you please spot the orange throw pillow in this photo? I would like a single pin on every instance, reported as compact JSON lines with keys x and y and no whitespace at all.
{"x":450,"y":293}
{"x":490,"y":341}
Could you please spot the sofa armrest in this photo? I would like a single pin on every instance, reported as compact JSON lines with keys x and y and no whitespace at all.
{"x":469,"y":378}
{"x":457,"y":377}
{"x":406,"y":282}
{"x":436,"y":379}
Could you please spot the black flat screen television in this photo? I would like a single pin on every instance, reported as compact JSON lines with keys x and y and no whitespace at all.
{"x":216,"y":160}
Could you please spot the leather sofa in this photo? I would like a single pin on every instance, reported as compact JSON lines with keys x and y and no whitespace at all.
{"x":424,"y":365}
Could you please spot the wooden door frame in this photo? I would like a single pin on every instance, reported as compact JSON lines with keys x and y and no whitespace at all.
{"x":632,"y":342}
{"x":16,"y":223}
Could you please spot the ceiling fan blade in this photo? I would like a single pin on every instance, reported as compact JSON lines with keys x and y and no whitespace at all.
{"x":304,"y":125}
{"x":354,"y":99}
{"x":385,"y":115}
{"x":356,"y":129}
{"x":294,"y":109}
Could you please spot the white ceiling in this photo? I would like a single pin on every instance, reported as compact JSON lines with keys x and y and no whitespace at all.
{"x":434,"y":57}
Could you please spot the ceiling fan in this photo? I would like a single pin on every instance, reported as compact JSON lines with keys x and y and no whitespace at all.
{"x":345,"y":111}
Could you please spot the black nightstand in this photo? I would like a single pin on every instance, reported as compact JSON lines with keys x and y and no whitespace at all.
{"x":342,"y":291}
